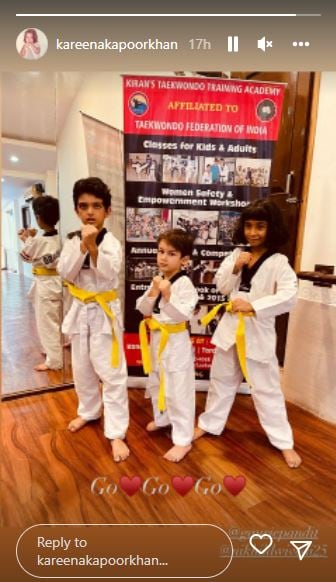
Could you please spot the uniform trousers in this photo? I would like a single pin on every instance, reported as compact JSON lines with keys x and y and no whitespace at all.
{"x":225,"y":379}
{"x":48,"y":322}
{"x":180,"y":403}
{"x":91,"y":362}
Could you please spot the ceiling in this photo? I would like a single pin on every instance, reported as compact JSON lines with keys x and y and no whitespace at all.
{"x":33,"y":158}
{"x":34,"y":108}
{"x":34,"y":161}
{"x":35,"y":104}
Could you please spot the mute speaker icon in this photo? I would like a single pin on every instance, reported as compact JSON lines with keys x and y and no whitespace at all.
{"x":263,"y":43}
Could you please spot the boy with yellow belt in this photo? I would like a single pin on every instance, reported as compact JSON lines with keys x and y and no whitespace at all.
{"x":170,"y":302}
{"x":43,"y":251}
{"x":90,"y":262}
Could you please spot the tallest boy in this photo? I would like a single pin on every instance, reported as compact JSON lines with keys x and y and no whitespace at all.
{"x":90,"y":261}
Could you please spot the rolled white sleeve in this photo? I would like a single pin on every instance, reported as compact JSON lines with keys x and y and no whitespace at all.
{"x":145,"y":304}
{"x":71,"y":259}
{"x":182,"y":302}
{"x":284,"y":298}
{"x":225,"y":280}
{"x":108,"y":260}
{"x":30,"y":248}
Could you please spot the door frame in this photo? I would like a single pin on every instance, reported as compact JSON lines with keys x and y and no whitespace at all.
{"x":307,"y":169}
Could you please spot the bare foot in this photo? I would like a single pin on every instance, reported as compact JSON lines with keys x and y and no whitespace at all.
{"x":292,"y":459}
{"x":120,"y":450}
{"x":44,"y":368}
{"x":76,"y":424}
{"x":177,"y":453}
{"x":198,"y":433}
{"x":152,"y":426}
{"x":41,"y":368}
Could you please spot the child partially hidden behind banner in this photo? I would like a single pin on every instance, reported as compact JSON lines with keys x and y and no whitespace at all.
{"x":46,"y":291}
{"x":261,"y":285}
{"x":169,"y":304}
{"x":90,"y":263}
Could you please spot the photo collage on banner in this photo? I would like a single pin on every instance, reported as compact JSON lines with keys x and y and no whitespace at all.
{"x":197,"y":151}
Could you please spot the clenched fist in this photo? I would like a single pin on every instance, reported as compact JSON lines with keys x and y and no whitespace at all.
{"x":155,"y":287}
{"x":243,"y":259}
{"x":164,"y":288}
{"x":24,"y":233}
{"x":89,"y":235}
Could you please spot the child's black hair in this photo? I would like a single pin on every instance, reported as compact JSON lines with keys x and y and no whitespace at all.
{"x":179,"y":239}
{"x":94,"y":186}
{"x":263,"y":209}
{"x":47,"y":208}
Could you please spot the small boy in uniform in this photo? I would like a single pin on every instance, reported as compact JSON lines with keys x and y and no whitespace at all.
{"x":169,"y":304}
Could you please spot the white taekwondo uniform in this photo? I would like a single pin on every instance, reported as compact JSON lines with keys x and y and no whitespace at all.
{"x":177,"y":360}
{"x":90,"y":330}
{"x":46,"y":294}
{"x":272,"y":292}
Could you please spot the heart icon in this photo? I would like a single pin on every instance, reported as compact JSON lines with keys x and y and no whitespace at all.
{"x":262,"y":547}
{"x":183,"y":484}
{"x":130,"y":485}
{"x":234,"y":484}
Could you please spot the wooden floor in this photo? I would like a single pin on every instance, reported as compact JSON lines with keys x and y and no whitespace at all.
{"x":20,"y":343}
{"x":47,"y":472}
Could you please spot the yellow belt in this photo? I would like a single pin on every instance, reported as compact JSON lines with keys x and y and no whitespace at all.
{"x":102,"y":298}
{"x":42,"y":271}
{"x":166,"y":329}
{"x":240,"y":332}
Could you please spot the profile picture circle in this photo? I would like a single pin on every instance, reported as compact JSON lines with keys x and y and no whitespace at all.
{"x":138,"y":104}
{"x":31,"y":44}
{"x":266,"y":110}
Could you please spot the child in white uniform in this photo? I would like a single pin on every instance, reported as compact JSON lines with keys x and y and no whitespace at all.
{"x":170,"y":302}
{"x":90,"y":261}
{"x":31,"y":48}
{"x":261,"y":284}
{"x":46,"y":291}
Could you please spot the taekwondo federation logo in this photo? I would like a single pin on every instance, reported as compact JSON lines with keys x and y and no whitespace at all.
{"x":266,"y":110}
{"x":138,"y":104}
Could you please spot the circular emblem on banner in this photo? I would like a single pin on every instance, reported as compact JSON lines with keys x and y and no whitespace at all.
{"x":138,"y":104}
{"x":266,"y":110}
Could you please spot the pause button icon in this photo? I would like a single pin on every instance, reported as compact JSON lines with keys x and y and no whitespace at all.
{"x":232,"y":44}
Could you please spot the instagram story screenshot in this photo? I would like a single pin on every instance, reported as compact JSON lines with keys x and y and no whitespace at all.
{"x":168,"y":290}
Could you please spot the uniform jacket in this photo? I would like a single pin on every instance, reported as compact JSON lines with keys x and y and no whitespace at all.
{"x":43,"y":251}
{"x":178,"y":353}
{"x":103,"y":277}
{"x":273,"y":292}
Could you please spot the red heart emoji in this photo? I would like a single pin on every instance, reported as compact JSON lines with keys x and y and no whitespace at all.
{"x":183,"y":484}
{"x":234,"y":484}
{"x":130,"y":486}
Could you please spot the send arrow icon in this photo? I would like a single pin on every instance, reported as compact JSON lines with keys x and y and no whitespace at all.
{"x":301,"y":546}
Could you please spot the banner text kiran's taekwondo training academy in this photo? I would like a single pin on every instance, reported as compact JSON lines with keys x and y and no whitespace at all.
{"x":196,"y":152}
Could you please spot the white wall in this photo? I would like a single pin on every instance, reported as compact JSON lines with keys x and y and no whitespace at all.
{"x":319,"y":243}
{"x":25,"y":268}
{"x":310,"y":365}
{"x":10,"y":242}
{"x":51,"y":183}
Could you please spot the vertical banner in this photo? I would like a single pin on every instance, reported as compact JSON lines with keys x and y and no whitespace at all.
{"x":104,"y":148}
{"x":197,"y":151}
